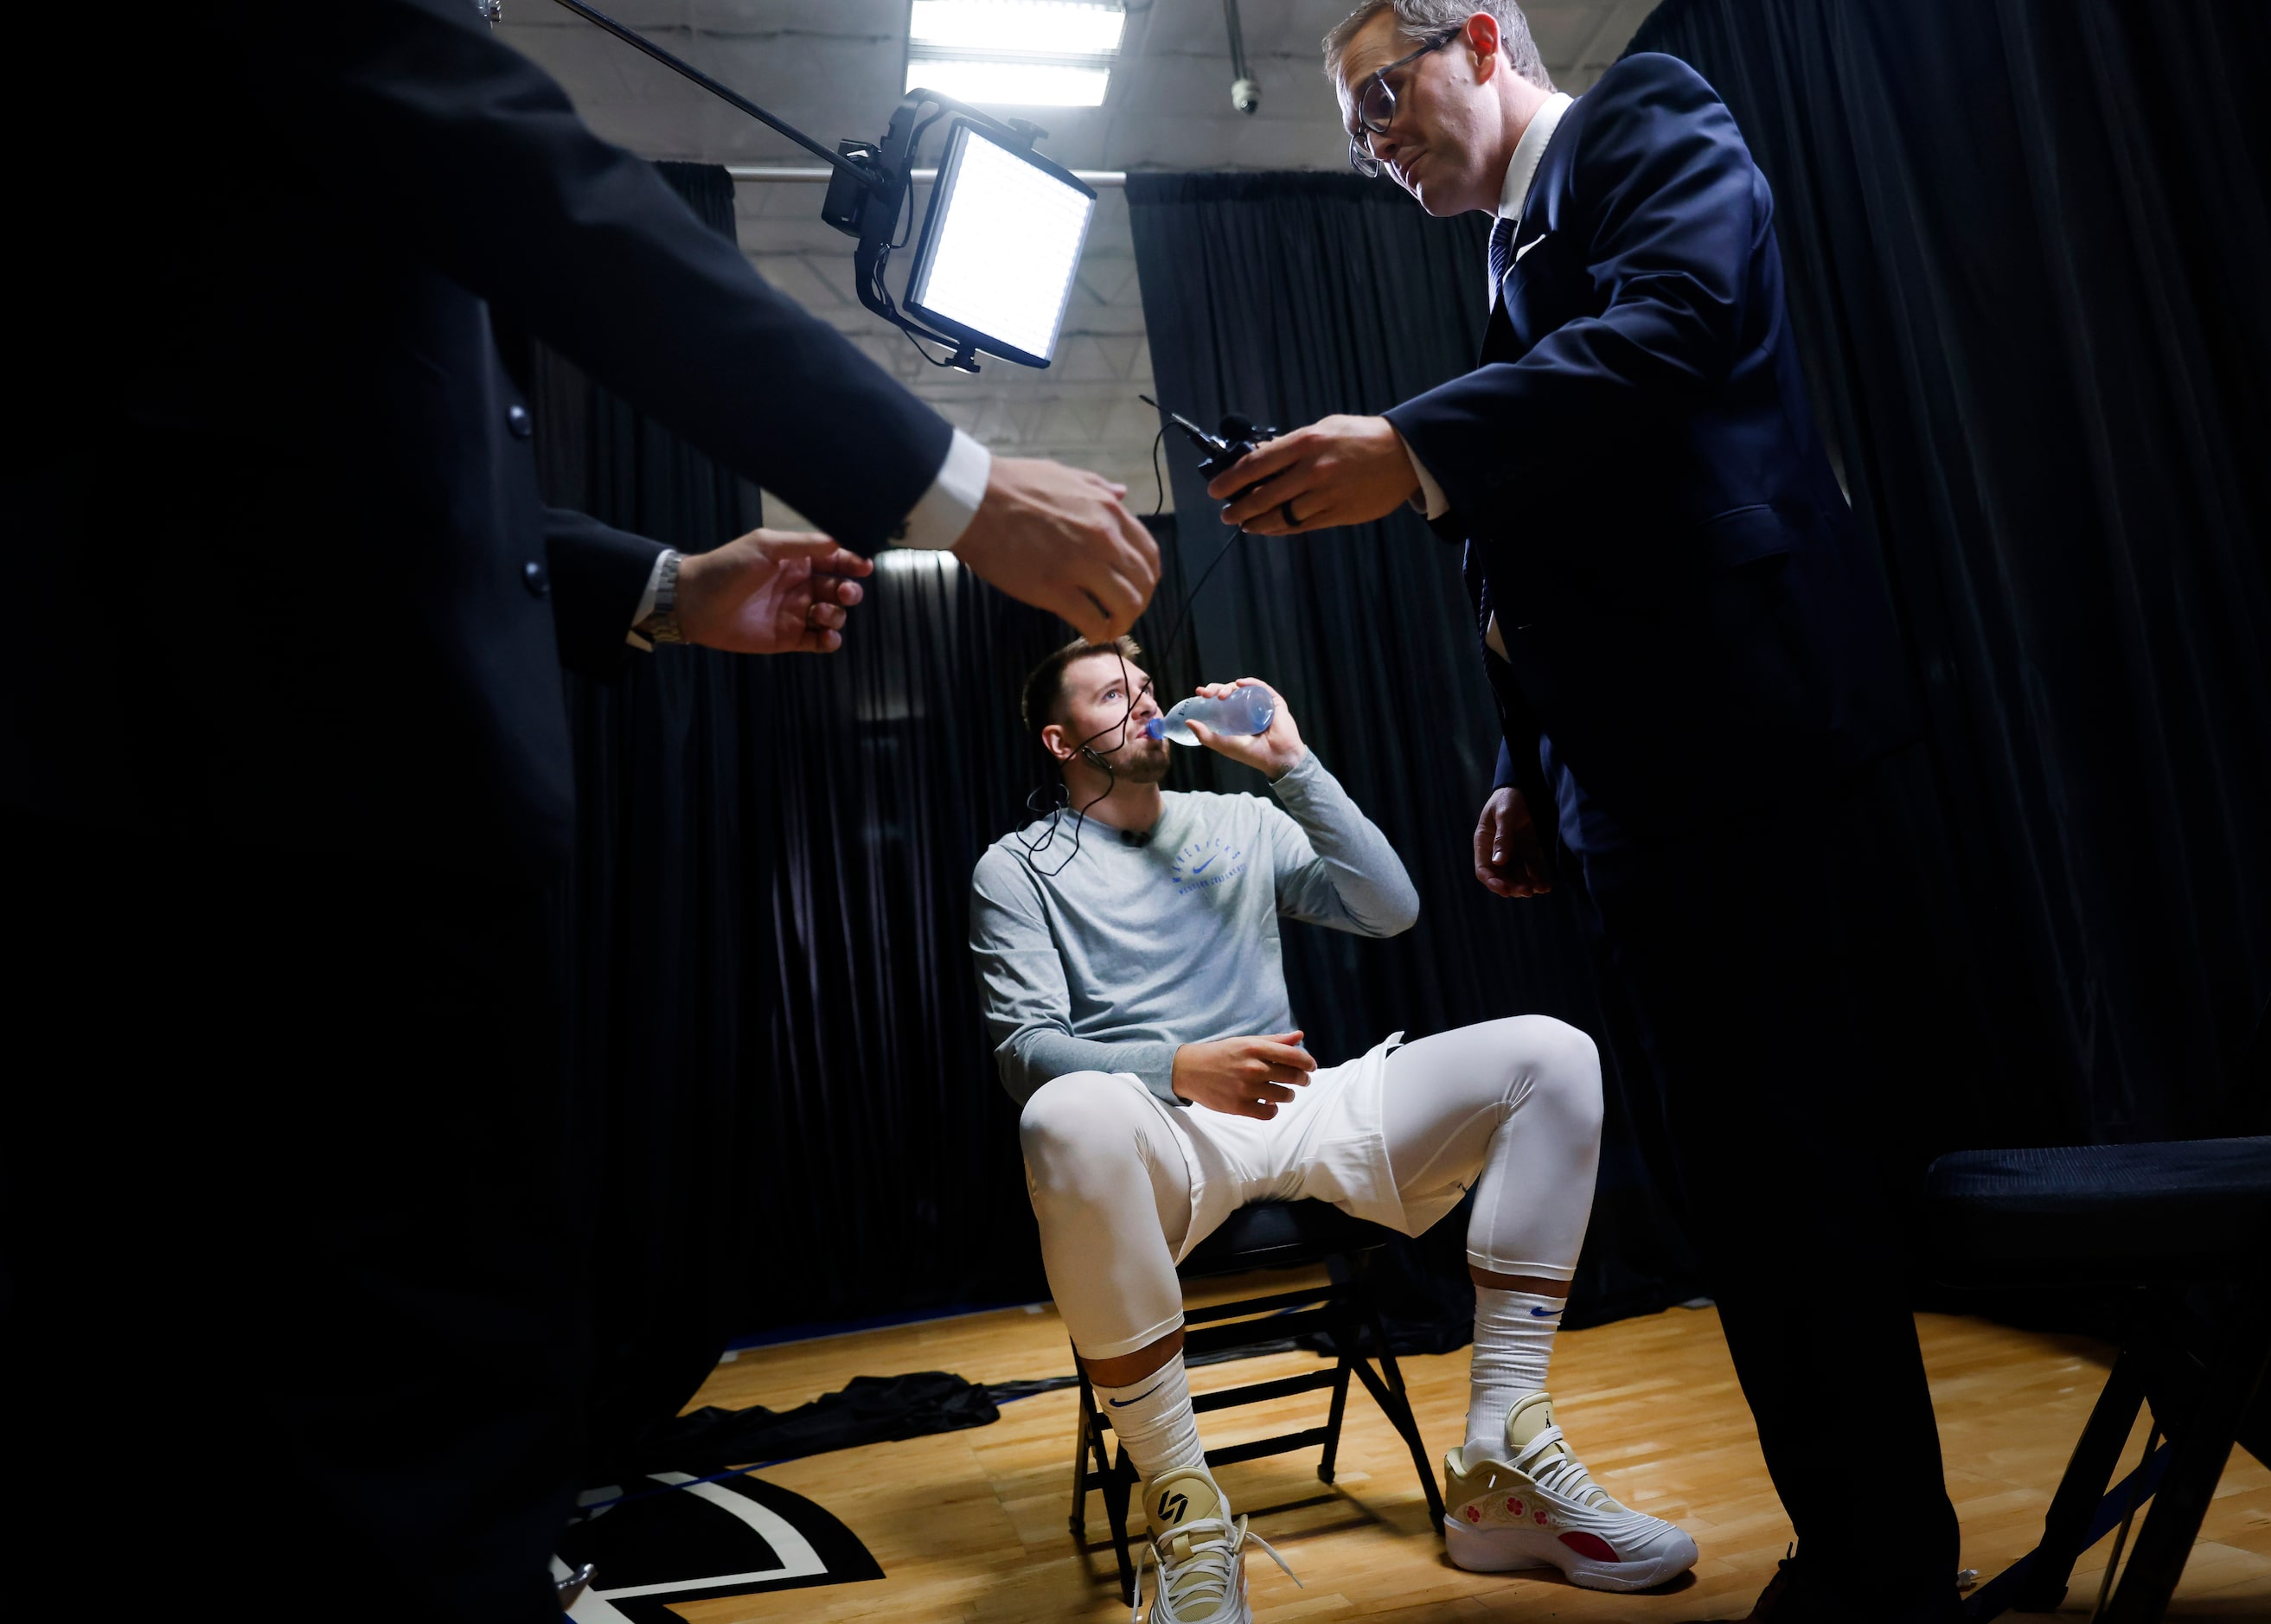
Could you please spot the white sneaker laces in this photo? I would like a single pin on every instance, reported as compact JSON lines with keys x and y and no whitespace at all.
{"x":1566,"y":1476}
{"x":1206,"y":1575}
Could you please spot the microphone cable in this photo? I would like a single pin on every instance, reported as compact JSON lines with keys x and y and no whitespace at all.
{"x":1057,"y":802}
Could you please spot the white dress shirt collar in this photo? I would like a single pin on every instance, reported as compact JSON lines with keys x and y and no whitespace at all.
{"x":1520,"y":173}
{"x":1527,"y":152}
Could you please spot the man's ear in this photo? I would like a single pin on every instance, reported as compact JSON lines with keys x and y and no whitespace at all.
{"x":1055,"y":743}
{"x":1483,"y":39}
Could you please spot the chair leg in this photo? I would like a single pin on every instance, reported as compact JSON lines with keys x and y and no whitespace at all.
{"x":1392,"y":1397}
{"x":1116,"y":1482}
{"x":1113,"y":1475}
{"x":1344,"y":1333}
{"x":1096,"y":1430}
{"x":2096,"y":1456}
{"x":1083,"y":1429}
{"x":1412,"y":1440}
{"x":2196,"y":1462}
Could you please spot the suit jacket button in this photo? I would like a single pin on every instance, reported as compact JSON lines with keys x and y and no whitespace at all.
{"x":532,"y":577}
{"x":515,"y":417}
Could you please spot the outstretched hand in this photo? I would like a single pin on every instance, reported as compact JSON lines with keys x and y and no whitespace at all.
{"x":1243,"y":1077}
{"x":770,"y":592}
{"x":1062,"y":540}
{"x":1275,"y":749}
{"x":1337,"y":470}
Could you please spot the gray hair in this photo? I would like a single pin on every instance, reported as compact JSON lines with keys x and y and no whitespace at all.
{"x":1419,"y":21}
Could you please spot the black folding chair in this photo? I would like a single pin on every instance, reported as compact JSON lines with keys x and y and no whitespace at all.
{"x":2185,"y":1226}
{"x":1267,"y":1236}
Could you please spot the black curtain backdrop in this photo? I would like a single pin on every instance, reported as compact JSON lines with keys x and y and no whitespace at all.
{"x":1287,"y":296}
{"x":2026,"y":240}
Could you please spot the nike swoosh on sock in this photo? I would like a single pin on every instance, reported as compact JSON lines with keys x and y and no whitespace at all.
{"x":1122,"y":1403}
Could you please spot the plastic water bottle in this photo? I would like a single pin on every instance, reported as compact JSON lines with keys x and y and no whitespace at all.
{"x":1248,"y":711}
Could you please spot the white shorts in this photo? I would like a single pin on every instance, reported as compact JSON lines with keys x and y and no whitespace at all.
{"x":1324,"y":1145}
{"x":1124,"y":1186}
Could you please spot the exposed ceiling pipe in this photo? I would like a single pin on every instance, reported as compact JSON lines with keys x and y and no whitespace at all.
{"x":1245,"y":89}
{"x":791,"y":174}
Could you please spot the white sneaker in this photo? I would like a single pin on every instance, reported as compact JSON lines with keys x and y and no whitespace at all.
{"x":1539,"y":1508}
{"x":1200,"y":1552}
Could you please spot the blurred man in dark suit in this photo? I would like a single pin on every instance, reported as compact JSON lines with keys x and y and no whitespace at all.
{"x":294,"y":1322}
{"x":1690,"y":659}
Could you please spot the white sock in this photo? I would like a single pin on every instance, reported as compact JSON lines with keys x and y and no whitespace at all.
{"x":1513,"y":1340}
{"x":1153,"y":1419}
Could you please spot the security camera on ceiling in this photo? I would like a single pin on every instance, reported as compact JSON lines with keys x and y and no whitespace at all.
{"x":1245,"y":89}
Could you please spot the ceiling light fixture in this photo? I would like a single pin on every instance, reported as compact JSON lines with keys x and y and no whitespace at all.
{"x":1014,"y":52}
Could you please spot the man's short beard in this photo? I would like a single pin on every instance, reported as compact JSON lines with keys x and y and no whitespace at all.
{"x":1144,"y":761}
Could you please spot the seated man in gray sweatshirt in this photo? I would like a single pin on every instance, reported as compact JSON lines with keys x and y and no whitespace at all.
{"x":1136,"y":997}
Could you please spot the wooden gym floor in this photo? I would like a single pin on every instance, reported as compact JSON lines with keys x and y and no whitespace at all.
{"x":972,"y":1524}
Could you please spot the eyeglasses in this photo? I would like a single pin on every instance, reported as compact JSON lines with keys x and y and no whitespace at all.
{"x":1375,"y":105}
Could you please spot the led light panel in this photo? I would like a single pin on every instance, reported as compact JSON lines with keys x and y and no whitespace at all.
{"x":1029,"y":27}
{"x":1000,"y":246}
{"x":1009,"y":83}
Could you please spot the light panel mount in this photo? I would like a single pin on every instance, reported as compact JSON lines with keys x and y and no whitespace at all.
{"x":868,"y":195}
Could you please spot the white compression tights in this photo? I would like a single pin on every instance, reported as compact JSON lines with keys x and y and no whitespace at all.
{"x":1511,"y":1106}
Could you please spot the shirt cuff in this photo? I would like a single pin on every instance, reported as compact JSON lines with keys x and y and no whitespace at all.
{"x":1431,"y":500}
{"x":646,"y":605}
{"x":947,"y":508}
{"x":1296,"y":779}
{"x":1161,"y":1080}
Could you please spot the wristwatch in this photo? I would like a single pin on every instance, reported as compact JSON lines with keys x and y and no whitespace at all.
{"x":661,"y":622}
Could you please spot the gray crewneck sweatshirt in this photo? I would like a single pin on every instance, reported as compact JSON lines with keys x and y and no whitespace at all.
{"x":1134,"y":950}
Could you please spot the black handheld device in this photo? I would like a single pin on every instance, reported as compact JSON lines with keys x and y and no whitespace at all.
{"x":1231,"y":443}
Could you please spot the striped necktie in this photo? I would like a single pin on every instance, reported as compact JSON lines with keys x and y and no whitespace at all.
{"x":1501,"y":254}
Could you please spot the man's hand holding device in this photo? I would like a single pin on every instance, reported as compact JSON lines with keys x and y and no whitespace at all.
{"x":1337,"y":470}
{"x":1243,"y":1077}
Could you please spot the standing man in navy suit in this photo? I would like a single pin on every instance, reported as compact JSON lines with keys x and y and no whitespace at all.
{"x":1690,"y":659}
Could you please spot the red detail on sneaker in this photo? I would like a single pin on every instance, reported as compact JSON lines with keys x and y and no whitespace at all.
{"x":1514,"y":1505}
{"x":1540,"y":1515}
{"x":1474,"y":1513}
{"x":1590,"y":1546}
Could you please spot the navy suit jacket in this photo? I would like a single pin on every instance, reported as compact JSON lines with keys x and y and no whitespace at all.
{"x":276,"y":567}
{"x":1692,"y":629}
